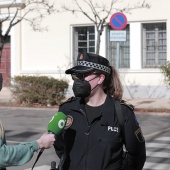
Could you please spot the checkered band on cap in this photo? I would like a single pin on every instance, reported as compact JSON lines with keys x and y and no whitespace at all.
{"x":94,"y":65}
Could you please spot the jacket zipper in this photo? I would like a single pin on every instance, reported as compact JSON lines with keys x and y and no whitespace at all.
{"x":87,"y":133}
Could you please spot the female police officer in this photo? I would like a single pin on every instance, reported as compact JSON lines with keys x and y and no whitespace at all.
{"x":94,"y":138}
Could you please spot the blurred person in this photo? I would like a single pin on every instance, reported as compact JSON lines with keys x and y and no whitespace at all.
{"x":14,"y":155}
{"x":95,"y":138}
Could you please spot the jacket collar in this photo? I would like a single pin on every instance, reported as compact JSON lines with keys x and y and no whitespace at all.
{"x":106,"y":109}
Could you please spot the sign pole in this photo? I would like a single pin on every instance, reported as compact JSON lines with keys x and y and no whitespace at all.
{"x":118,"y":21}
{"x":117,"y":55}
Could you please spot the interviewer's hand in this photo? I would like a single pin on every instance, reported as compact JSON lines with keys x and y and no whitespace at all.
{"x":46,"y":141}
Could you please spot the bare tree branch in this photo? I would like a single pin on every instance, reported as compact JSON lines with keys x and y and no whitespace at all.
{"x":93,"y":9}
{"x":85,"y":13}
{"x":40,"y":8}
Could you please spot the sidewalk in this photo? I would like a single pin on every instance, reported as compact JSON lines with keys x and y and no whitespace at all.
{"x":150,"y":105}
{"x":141,"y":104}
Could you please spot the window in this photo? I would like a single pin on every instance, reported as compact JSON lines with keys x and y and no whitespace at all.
{"x":83,"y":40}
{"x":120,"y":48}
{"x":154,"y":45}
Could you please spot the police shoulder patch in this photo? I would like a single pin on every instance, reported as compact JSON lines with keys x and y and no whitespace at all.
{"x":123,"y":102}
{"x":69,"y":122}
{"x":68,"y":100}
{"x":139,"y":135}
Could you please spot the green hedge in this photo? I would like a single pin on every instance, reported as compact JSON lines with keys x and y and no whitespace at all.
{"x":38,"y":89}
{"x":166,"y":71}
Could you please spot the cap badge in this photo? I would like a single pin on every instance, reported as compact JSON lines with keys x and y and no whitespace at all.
{"x":68,"y":122}
{"x":81,"y":57}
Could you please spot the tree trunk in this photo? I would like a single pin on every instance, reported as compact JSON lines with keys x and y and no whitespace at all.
{"x":98,"y":42}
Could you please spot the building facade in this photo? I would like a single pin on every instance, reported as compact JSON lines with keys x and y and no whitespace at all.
{"x":138,"y":59}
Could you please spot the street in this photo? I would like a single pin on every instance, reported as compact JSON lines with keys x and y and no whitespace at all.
{"x":27,"y":124}
{"x":156,"y":129}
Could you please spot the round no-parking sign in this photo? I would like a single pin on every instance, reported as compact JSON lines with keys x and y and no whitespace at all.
{"x":118,"y":21}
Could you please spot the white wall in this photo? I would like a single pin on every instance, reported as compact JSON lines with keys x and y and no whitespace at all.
{"x":135,"y":46}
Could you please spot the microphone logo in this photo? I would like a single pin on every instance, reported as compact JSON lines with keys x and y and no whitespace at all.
{"x":61,"y":123}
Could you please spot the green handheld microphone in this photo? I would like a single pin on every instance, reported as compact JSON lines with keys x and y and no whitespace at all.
{"x":57,"y":123}
{"x":55,"y":126}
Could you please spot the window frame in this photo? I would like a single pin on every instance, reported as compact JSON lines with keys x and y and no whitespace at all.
{"x":77,"y":41}
{"x":156,"y":46}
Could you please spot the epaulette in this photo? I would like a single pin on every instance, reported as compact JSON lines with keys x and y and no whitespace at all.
{"x":68,"y":100}
{"x":123,"y":102}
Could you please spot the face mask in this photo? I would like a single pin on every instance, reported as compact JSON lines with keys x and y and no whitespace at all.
{"x":82,"y":88}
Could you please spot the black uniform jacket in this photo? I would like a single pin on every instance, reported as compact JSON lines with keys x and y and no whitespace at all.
{"x":99,"y":145}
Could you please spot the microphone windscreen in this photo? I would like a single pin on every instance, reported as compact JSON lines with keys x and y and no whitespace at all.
{"x":57,"y":123}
